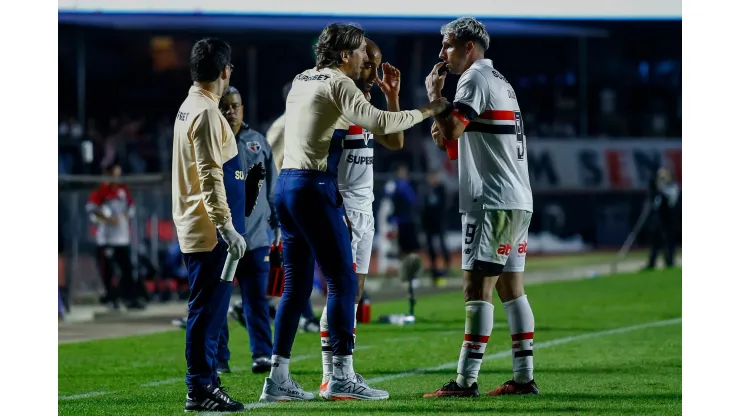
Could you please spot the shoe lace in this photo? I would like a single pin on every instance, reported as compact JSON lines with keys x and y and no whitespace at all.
{"x":296,"y":385}
{"x":450,"y":385}
{"x":220,"y":393}
{"x":360,"y":380}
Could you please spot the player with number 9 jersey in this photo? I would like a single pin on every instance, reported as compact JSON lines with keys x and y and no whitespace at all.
{"x":495,"y":194}
{"x":495,"y":202}
{"x":492,"y":150}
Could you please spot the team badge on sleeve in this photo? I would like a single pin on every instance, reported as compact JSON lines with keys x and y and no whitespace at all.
{"x":254,"y":146}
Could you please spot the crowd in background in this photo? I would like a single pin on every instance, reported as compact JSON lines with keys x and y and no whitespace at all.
{"x":144,"y":144}
{"x":627,"y":84}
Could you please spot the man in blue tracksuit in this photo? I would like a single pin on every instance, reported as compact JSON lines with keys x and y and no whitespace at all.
{"x":253,"y":269}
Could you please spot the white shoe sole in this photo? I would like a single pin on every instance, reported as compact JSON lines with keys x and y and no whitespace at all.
{"x":266,"y":398}
{"x":352,"y":396}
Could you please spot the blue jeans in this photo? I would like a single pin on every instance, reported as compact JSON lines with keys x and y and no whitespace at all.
{"x":311,"y":214}
{"x":207,"y":309}
{"x":252,"y":273}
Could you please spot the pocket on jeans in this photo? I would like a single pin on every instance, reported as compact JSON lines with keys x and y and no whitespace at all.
{"x":340,"y":199}
{"x":333,"y":195}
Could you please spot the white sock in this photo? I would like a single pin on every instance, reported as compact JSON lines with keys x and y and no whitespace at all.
{"x":325,"y":348}
{"x":343,"y":366}
{"x":478,"y":327}
{"x":279,"y":371}
{"x":521,"y":326}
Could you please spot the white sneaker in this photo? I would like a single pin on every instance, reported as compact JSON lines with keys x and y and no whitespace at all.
{"x":308,"y":325}
{"x":286,"y":391}
{"x":352,"y":388}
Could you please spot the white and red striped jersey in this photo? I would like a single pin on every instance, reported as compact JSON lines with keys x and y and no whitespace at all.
{"x":492,"y":150}
{"x":112,"y":201}
{"x":356,"y":170}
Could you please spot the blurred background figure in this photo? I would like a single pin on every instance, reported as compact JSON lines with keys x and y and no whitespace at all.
{"x":406,"y":217}
{"x":111,"y":207}
{"x":663,"y":196}
{"x":434,"y":224}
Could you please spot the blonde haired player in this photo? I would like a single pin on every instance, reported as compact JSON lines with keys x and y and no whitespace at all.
{"x":495,"y":202}
{"x":355,"y":182}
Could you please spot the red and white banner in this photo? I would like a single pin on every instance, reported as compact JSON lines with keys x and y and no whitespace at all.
{"x":599,"y":165}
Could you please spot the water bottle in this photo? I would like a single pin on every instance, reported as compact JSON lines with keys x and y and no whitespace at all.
{"x":363,"y":310}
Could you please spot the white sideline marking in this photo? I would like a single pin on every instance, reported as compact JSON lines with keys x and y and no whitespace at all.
{"x":500,"y":354}
{"x":507,"y":353}
{"x":83,"y":395}
{"x":174,"y":380}
{"x":297,"y":358}
{"x":545,"y":344}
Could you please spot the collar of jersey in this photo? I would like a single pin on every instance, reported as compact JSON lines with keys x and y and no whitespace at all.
{"x":335,"y":70}
{"x":243,"y":129}
{"x":483,"y":61}
{"x":213,"y":97}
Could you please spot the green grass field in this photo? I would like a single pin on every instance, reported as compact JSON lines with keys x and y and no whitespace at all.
{"x":610,"y":345}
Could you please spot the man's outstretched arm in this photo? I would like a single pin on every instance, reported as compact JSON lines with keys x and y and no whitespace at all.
{"x":352,"y":104}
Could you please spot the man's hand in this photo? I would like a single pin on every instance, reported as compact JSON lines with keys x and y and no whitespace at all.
{"x":236,"y":243}
{"x":255,"y":177}
{"x":390,"y":82}
{"x":278,"y":236}
{"x":435,"y":82}
{"x":437,"y":136}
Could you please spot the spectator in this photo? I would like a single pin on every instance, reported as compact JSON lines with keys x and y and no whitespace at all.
{"x":111,"y":208}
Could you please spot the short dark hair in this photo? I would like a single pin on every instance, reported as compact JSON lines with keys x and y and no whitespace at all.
{"x":334,"y":39}
{"x":231,"y":90}
{"x":208,"y":58}
{"x":109,"y":166}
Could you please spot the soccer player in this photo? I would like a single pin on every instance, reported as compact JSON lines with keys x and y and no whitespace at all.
{"x":355,"y":183}
{"x":254,"y":267}
{"x":208,"y":209}
{"x":323,"y":101}
{"x":495,"y":202}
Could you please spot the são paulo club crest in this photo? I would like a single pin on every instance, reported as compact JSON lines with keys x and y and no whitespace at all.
{"x":366,"y":136}
{"x":254,"y":146}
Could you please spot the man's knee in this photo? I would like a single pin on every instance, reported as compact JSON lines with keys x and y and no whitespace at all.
{"x":510,"y":286}
{"x":478,"y":283}
{"x":342,"y":281}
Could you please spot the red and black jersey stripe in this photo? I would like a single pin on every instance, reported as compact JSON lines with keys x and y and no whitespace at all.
{"x":493,"y":115}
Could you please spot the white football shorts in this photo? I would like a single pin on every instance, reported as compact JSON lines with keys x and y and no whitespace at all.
{"x":363,"y":232}
{"x":495,"y":236}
